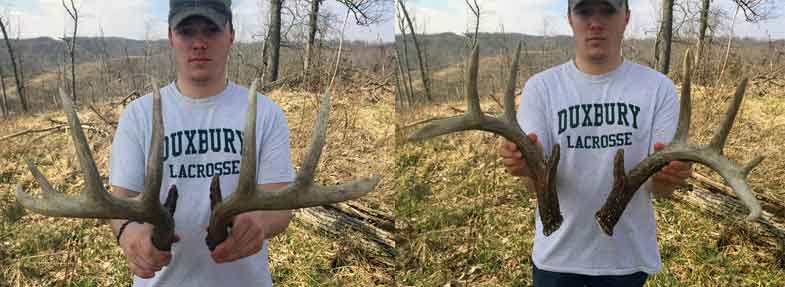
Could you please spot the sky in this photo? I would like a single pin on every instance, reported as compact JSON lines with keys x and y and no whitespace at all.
{"x":549,"y":17}
{"x":147,"y":19}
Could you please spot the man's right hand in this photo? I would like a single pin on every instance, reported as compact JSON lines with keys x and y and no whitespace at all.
{"x":143,"y":258}
{"x":512,"y":158}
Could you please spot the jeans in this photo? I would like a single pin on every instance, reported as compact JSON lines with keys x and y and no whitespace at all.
{"x":544,"y":278}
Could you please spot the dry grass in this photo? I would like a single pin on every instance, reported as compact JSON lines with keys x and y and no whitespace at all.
{"x":464,"y":222}
{"x":43,"y":251}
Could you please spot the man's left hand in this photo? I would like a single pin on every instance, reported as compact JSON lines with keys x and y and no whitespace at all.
{"x":671,"y":176}
{"x":245,"y":238}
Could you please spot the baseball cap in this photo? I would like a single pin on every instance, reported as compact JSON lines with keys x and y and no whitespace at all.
{"x":618,"y":4}
{"x":217,"y":11}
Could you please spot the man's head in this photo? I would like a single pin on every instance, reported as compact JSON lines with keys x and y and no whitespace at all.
{"x":598,"y":27}
{"x":201,"y":34}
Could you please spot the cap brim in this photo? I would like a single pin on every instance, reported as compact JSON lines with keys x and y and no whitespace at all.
{"x":212,"y":15}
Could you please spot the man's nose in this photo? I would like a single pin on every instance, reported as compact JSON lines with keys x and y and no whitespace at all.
{"x":596,"y":22}
{"x":199,"y":41}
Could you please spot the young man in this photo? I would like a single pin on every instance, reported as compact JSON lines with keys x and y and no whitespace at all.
{"x":592,"y":107}
{"x":203,"y":123}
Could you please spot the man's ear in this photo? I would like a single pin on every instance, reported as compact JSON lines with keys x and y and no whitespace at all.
{"x":169,"y":35}
{"x":627,"y":17}
{"x":231,"y":32}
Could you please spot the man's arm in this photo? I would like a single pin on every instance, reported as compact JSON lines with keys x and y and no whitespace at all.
{"x":250,"y":229}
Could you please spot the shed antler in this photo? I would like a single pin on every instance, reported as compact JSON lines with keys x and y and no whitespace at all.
{"x":95,"y":202}
{"x":301,"y":193}
{"x":625,"y":186}
{"x":543,"y":172}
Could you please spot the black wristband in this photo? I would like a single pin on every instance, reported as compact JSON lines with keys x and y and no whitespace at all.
{"x":122,"y":228}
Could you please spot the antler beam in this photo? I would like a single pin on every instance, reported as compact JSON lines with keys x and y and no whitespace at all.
{"x":95,"y":201}
{"x":710,"y":155}
{"x":301,"y":193}
{"x":543,"y":172}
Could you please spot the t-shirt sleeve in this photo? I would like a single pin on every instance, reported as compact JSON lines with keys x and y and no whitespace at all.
{"x":275,"y":163}
{"x":532,"y":113}
{"x":127,"y":161}
{"x":666,"y":114}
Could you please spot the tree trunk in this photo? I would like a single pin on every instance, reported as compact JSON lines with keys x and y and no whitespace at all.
{"x":20,"y":87}
{"x":275,"y":38}
{"x":5,"y":99}
{"x":704,"y":24}
{"x":666,"y":29}
{"x":403,"y":60}
{"x":313,"y":19}
{"x":423,"y":73}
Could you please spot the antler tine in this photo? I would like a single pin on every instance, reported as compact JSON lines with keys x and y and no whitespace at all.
{"x":300,"y":194}
{"x":247,"y":183}
{"x":543,"y":173}
{"x":305,"y":176}
{"x":685,"y":107}
{"x":94,"y":201}
{"x":509,"y":93}
{"x":54,"y":203}
{"x":709,"y":155}
{"x":718,"y":141}
{"x":470,"y":84}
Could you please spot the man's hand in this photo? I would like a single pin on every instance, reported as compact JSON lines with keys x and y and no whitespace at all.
{"x":513,"y":159}
{"x":671,"y":176}
{"x":143,"y":258}
{"x":249,"y":230}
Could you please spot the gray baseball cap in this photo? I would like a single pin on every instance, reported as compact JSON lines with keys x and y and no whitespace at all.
{"x":217,"y":11}
{"x":618,"y":4}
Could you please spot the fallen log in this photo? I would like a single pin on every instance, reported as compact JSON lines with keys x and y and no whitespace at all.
{"x":768,"y":230}
{"x":374,"y":229}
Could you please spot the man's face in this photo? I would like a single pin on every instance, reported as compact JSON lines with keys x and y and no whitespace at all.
{"x":598,"y":30}
{"x":201,"y":48}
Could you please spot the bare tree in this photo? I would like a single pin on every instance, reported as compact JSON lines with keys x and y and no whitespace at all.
{"x":74,"y":13}
{"x":423,"y":73}
{"x":4,"y":104}
{"x":367,"y":12}
{"x":313,"y":18}
{"x":275,"y":38}
{"x":664,"y":38}
{"x":704,"y":24}
{"x":475,"y":8}
{"x":403,"y":61}
{"x":20,"y":87}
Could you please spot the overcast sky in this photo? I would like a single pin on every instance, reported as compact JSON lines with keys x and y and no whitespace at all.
{"x":549,"y":16}
{"x":134,"y":18}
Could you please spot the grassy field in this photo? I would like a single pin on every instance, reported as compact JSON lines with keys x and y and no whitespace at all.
{"x":464,"y":222}
{"x":43,"y":251}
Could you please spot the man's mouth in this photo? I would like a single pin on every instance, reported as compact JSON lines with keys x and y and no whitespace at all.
{"x":199,"y":60}
{"x":596,"y":39}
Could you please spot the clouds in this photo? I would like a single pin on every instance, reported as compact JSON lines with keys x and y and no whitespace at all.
{"x":129,"y":18}
{"x":549,"y":17}
{"x":146,"y":19}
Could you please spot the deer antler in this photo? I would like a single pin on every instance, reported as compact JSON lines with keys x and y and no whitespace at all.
{"x":543,"y":172}
{"x":94,"y":201}
{"x":710,"y":155}
{"x":301,"y":193}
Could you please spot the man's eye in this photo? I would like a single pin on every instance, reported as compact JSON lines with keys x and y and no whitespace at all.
{"x":185,"y":31}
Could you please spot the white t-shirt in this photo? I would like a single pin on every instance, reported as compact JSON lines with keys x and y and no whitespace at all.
{"x":203,"y":137}
{"x":591,"y":117}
